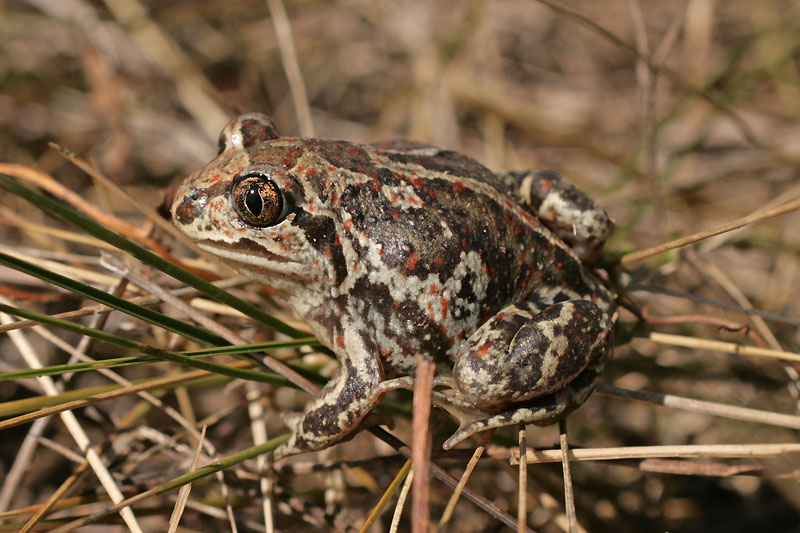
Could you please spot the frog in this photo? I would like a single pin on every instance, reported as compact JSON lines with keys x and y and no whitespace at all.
{"x":399,"y":250}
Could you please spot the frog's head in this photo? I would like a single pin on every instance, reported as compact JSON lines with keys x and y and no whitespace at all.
{"x":252,"y":209}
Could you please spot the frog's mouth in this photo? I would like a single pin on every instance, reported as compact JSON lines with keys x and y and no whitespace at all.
{"x":256,"y":261}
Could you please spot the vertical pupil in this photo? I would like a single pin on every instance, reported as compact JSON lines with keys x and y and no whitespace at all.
{"x":253,"y":201}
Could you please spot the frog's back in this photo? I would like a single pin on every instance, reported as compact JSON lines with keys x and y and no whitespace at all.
{"x":438,"y":247}
{"x":435,"y":159}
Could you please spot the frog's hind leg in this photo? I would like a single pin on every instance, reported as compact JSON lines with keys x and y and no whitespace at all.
{"x":541,"y":411}
{"x":530,"y":365}
{"x":564,"y":209}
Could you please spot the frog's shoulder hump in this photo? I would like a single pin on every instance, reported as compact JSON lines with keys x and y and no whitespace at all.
{"x":434,"y":159}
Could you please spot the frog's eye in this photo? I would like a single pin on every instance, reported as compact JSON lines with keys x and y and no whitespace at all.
{"x":258,"y":200}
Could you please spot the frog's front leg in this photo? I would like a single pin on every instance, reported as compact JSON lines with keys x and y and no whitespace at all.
{"x":565,"y":209}
{"x":343,"y":402}
{"x":531,"y":365}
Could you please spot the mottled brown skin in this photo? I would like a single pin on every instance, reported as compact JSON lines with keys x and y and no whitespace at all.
{"x":397,"y":249}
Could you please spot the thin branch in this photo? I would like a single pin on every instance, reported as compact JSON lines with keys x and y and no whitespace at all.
{"x":721,"y":346}
{"x":283,"y":30}
{"x":421,"y":446}
{"x":670,"y":74}
{"x":700,"y":406}
{"x":649,"y":452}
{"x":629,"y":259}
{"x":569,"y":494}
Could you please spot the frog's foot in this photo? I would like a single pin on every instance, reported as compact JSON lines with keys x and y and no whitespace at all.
{"x":540,"y":411}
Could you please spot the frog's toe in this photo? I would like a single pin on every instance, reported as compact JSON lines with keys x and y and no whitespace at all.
{"x":287,"y":449}
{"x":543,"y":411}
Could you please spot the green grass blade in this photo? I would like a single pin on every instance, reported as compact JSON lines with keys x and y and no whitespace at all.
{"x":34,"y":403}
{"x":142,"y":348}
{"x":119,"y":362}
{"x":115,"y":302}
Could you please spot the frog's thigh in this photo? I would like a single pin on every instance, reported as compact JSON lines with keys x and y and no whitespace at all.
{"x":541,"y":411}
{"x":519,"y":355}
{"x":341,"y":406}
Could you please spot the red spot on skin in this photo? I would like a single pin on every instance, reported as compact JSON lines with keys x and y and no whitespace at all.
{"x":458,"y":186}
{"x":430,"y":307}
{"x":337,"y":241}
{"x":559,"y":266}
{"x":340,"y":341}
{"x":415,"y":181}
{"x":433,"y":288}
{"x":348,"y":224}
{"x":269,"y":290}
{"x":395,"y":214}
{"x":433,"y":194}
{"x":331,"y":169}
{"x":437,"y":260}
{"x":483,"y":350}
{"x":328,"y":252}
{"x":485,"y":268}
{"x":299,"y":168}
{"x":445,"y":306}
{"x":411,"y":263}
{"x":352,"y":149}
{"x":228,"y":234}
{"x":545,"y":185}
{"x":451,"y":341}
{"x":374,"y":185}
{"x":312,"y":170}
{"x":552,"y":214}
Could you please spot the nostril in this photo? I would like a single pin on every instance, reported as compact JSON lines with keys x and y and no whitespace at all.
{"x":189,"y":206}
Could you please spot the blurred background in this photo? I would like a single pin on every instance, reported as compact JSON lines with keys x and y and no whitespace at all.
{"x":675,"y":116}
